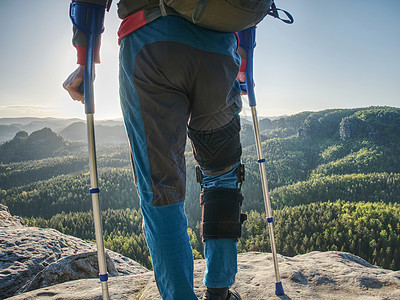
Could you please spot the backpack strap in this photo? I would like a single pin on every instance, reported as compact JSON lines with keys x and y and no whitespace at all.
{"x":199,"y":10}
{"x":162,"y":8}
{"x":274,"y":12}
{"x":108,"y":5}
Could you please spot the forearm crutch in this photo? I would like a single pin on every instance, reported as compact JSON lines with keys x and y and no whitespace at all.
{"x":89,"y":19}
{"x":247,"y":40}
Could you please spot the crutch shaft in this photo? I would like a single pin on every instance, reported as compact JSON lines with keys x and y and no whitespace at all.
{"x":267,"y":201}
{"x":94,"y":191}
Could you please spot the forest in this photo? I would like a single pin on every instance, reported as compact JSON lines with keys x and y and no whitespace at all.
{"x":333,"y":177}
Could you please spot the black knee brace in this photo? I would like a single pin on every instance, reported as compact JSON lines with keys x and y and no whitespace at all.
{"x":219,"y":148}
{"x":221,"y":216}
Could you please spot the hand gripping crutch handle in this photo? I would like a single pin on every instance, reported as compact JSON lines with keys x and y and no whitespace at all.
{"x":247,"y":41}
{"x":89,"y":19}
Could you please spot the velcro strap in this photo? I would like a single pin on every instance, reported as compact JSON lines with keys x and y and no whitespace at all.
{"x":220,"y":195}
{"x":219,"y":230}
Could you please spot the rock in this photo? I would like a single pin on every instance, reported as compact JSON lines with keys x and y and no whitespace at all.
{"x":310,"y":129}
{"x":353,"y":127}
{"x":7,"y":220}
{"x":316,"y":275}
{"x":32,"y":258}
{"x":40,"y":263}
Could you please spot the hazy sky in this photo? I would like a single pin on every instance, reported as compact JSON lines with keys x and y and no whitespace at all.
{"x":337,"y":54}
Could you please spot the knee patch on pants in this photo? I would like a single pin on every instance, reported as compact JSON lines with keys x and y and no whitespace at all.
{"x":221,"y":214}
{"x":219,"y":148}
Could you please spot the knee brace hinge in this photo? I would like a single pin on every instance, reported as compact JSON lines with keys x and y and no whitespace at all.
{"x":199,"y":175}
{"x":240,"y":174}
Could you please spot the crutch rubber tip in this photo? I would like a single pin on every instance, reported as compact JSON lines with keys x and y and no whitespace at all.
{"x":279,"y":289}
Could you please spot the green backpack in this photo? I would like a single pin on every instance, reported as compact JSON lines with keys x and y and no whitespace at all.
{"x":224,"y":15}
{"x":221,"y":15}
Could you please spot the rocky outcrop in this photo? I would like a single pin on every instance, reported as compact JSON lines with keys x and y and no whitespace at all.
{"x":32,"y":258}
{"x":310,"y":129}
{"x":40,"y":263}
{"x":316,"y":275}
{"x":7,"y":220}
{"x":353,"y":127}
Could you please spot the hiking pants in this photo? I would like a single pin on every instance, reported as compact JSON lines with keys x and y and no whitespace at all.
{"x":174,"y":74}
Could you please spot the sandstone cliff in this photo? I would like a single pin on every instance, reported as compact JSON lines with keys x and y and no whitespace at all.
{"x":45,"y":264}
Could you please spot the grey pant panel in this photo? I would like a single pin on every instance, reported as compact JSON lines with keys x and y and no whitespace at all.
{"x":178,"y":84}
{"x":165,"y":110}
{"x":214,"y":97}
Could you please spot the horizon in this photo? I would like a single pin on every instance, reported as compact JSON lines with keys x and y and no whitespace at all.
{"x":242,"y":115}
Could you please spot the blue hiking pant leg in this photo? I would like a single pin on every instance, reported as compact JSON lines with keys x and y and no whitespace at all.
{"x":157,"y":150}
{"x":221,"y":263}
{"x":165,"y":80}
{"x":166,"y":234}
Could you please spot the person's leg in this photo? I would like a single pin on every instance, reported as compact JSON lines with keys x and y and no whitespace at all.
{"x":158,"y":160}
{"x":156,"y":112}
{"x":214,"y":131}
{"x":221,"y":220}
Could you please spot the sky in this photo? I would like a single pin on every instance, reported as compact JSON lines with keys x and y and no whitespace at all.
{"x":337,"y":54}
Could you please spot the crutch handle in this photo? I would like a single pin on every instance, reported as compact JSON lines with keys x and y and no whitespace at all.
{"x":89,"y":19}
{"x":247,"y":41}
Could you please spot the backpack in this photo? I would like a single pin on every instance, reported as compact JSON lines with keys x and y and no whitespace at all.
{"x":224,"y":15}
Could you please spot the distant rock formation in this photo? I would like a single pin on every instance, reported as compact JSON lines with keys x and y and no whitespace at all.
{"x":310,"y":129}
{"x":353,"y":127}
{"x":40,"y":144}
{"x":37,"y":259}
